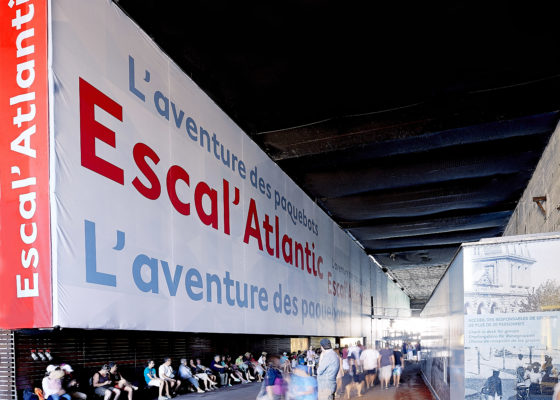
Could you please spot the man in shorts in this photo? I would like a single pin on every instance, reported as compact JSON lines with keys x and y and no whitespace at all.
{"x":103,"y":385}
{"x":369,"y":359}
{"x":152,"y":380}
{"x":386,"y":365}
{"x":166,"y":373}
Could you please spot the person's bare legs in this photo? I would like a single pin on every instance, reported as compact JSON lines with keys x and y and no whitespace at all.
{"x":128,"y":389}
{"x":368,"y":380}
{"x":349,"y":389}
{"x":360,"y":387}
{"x":117,"y":393}
{"x":166,"y":388}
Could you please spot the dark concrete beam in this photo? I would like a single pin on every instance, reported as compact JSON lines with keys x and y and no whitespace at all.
{"x":525,"y":126}
{"x":425,"y":226}
{"x":471,"y":162}
{"x":429,"y":199}
{"x":439,"y":239}
{"x":433,"y":256}
{"x":340,"y":134}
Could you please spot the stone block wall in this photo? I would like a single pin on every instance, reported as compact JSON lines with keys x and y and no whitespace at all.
{"x":528,"y":217}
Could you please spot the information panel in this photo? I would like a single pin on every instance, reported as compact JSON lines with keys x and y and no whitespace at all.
{"x":512,"y":317}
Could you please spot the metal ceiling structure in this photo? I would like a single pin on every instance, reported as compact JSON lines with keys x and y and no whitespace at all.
{"x":415,"y":126}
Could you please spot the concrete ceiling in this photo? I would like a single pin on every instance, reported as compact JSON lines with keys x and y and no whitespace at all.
{"x":415,"y":125}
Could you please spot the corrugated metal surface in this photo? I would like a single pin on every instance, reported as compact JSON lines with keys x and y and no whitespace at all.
{"x":7,"y":366}
{"x":86,"y":350}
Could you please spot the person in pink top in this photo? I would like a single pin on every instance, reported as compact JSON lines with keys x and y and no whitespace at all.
{"x":52,"y":384}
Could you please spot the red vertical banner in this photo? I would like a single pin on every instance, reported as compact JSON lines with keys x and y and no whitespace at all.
{"x":25,"y":259}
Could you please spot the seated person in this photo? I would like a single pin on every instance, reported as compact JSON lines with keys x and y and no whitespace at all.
{"x":185,"y":374}
{"x":166,"y":373}
{"x":52,"y":384}
{"x":228,"y":369}
{"x":70,"y":384}
{"x":152,"y":380}
{"x":103,"y":385}
{"x":201,"y":372}
{"x":220,"y":370}
{"x":234,"y":370}
{"x":119,"y":381}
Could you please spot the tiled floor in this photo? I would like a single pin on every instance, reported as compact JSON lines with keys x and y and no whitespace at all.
{"x":412,"y":388}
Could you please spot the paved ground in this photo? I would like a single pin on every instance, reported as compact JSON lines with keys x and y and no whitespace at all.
{"x":412,"y":388}
{"x":237,"y":392}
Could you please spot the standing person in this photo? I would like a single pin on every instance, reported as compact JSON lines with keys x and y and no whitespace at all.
{"x":301,"y":358}
{"x":404,"y":352}
{"x":386,"y":365}
{"x":357,"y":378}
{"x":369,"y":359}
{"x":354,"y":351}
{"x":345,"y":364}
{"x":418,"y":351}
{"x":310,"y":358}
{"x":329,"y":365}
{"x":409,"y":353}
{"x":397,"y":370}
{"x":340,"y":374}
{"x":152,"y":380}
{"x":274,"y":381}
{"x":302,"y":386}
{"x":285,"y":362}
{"x":492,"y":389}
{"x":166,"y":373}
{"x":185,"y":374}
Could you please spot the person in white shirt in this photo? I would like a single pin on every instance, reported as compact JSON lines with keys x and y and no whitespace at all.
{"x":165,"y":372}
{"x":354,"y":350}
{"x":369,"y":358}
{"x":310,"y":358}
{"x":262,"y":360}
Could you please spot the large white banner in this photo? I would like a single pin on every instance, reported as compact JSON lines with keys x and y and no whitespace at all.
{"x":166,"y":215}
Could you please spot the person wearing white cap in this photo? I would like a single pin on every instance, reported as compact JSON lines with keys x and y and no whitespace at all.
{"x":69,"y":383}
{"x":52,"y":384}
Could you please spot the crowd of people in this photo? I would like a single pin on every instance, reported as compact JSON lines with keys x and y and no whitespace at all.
{"x":315,"y":373}
{"x":325,"y":372}
{"x":109,"y":384}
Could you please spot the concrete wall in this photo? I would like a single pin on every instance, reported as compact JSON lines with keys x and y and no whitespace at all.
{"x":527,"y":217}
{"x":442,"y":341}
